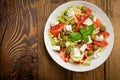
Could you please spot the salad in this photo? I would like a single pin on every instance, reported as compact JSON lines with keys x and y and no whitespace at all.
{"x":77,"y":35}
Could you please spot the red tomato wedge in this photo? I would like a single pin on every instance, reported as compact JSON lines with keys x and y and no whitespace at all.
{"x":61,"y":54}
{"x":89,"y":46}
{"x":85,"y":56}
{"x":64,"y":56}
{"x":101,"y":43}
{"x":77,"y":62}
{"x":77,"y":27}
{"x":105,"y":34}
{"x":78,"y":17}
{"x":55,"y":30}
{"x":98,"y":23}
{"x":81,"y":19}
{"x":67,"y":57}
{"x":88,"y":12}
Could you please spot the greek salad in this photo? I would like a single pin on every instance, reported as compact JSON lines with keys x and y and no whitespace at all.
{"x":77,"y":35}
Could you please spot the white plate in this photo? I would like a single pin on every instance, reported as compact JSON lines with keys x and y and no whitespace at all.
{"x":95,"y":62}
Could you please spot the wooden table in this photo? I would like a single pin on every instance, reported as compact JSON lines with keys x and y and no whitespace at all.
{"x":23,"y":55}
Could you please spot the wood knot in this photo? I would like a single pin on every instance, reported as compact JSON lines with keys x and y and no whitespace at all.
{"x":55,"y":1}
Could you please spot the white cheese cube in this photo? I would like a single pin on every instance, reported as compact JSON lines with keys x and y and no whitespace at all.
{"x":54,"y":22}
{"x":67,"y":44}
{"x":70,"y":12}
{"x":99,"y":38}
{"x":68,"y":28}
{"x":75,"y":52}
{"x":88,"y":21}
{"x":90,"y":40}
{"x":97,"y":53}
{"x":83,"y":47}
{"x":56,"y":48}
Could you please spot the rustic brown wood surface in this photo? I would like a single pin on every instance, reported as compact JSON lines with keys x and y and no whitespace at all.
{"x":23,"y":55}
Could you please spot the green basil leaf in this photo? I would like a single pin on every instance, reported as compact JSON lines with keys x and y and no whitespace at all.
{"x":85,"y":38}
{"x":83,"y":30}
{"x":74,"y":36}
{"x":89,"y":29}
{"x":86,"y":31}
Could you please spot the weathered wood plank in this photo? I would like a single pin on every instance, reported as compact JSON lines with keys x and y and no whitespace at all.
{"x":3,"y":19}
{"x":113,"y":64}
{"x":19,"y":59}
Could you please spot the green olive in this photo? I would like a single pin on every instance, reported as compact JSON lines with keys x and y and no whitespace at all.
{"x":68,"y":50}
{"x":72,"y":21}
{"x":83,"y":9}
{"x":65,"y":13}
{"x":61,"y":43}
{"x":62,"y":34}
{"x":91,"y":16}
{"x":90,"y":52}
{"x":103,"y":28}
{"x":82,"y":42}
{"x":95,"y":47}
{"x":67,"y":33}
{"x":65,"y":38}
{"x":93,"y":36}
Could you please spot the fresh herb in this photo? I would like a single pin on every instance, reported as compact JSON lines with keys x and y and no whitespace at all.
{"x":74,"y":36}
{"x":90,"y":29}
{"x":85,"y":32}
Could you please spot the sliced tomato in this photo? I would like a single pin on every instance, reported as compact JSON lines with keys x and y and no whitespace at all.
{"x":81,"y":19}
{"x":88,"y":12}
{"x":85,"y":56}
{"x":77,"y":62}
{"x":77,"y":27}
{"x":89,"y":46}
{"x":55,"y":30}
{"x":98,"y":23}
{"x":61,"y":49}
{"x":101,"y":43}
{"x":67,"y":57}
{"x":105,"y":34}
{"x":78,"y":17}
{"x":61,"y":54}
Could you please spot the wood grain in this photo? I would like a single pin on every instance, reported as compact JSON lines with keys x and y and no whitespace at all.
{"x":19,"y":59}
{"x":3,"y":19}
{"x":23,"y":55}
{"x":112,"y":64}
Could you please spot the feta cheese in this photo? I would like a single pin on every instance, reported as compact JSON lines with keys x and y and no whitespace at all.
{"x":76,"y":54}
{"x":70,"y":12}
{"x":67,"y":43}
{"x":56,"y":48}
{"x":83,"y":47}
{"x":54,"y":22}
{"x":99,"y":38}
{"x":90,"y":40}
{"x":88,"y":22}
{"x":97,"y":53}
{"x":68,"y":28}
